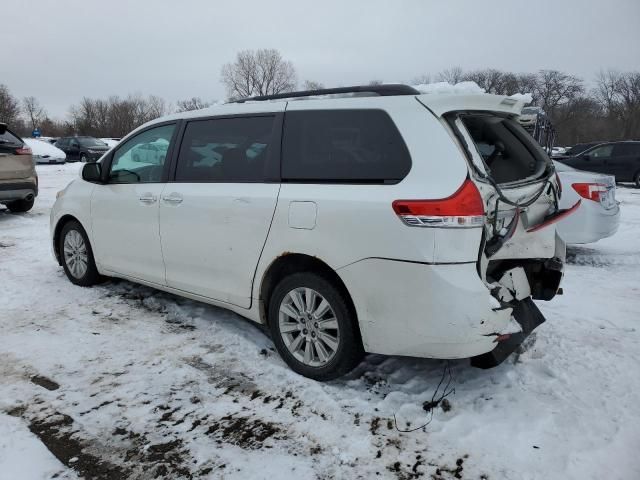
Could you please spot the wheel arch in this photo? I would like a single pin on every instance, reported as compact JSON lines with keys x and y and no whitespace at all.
{"x":289,"y":263}
{"x":62,"y":221}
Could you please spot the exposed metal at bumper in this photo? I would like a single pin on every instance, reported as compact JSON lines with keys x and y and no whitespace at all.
{"x":529,"y":317}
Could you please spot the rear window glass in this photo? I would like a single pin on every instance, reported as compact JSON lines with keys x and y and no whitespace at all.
{"x":9,"y":138}
{"x":225,"y":150}
{"x":508,"y":151}
{"x":343,"y":146}
{"x":623,"y":149}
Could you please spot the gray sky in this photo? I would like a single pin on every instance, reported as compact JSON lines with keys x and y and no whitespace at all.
{"x":60,"y":51}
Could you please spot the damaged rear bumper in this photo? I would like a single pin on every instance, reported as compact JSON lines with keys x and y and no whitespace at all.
{"x":528,"y":317}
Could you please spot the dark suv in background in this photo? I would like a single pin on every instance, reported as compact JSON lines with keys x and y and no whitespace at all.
{"x":621,"y":159}
{"x":84,"y":149}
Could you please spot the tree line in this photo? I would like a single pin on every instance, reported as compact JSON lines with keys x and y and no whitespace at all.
{"x":609,"y":109}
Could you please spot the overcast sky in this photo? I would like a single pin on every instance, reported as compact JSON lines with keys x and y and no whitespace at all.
{"x":60,"y":51}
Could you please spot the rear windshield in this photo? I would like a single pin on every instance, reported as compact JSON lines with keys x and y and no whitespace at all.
{"x":509,"y":153}
{"x":9,"y":138}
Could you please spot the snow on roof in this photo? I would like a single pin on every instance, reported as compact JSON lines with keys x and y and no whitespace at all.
{"x":42,"y":148}
{"x":464,"y":88}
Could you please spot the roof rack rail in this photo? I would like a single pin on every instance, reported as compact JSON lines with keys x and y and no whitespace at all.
{"x":381,"y":90}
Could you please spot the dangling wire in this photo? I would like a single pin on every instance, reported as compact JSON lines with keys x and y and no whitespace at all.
{"x":436,"y":398}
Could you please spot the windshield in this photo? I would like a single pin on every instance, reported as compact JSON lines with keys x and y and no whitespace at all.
{"x":530,"y":110}
{"x":91,"y":142}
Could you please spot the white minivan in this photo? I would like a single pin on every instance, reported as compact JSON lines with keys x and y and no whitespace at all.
{"x":349,"y":220}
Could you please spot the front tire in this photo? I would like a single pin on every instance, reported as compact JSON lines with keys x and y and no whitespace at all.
{"x":83,"y":158}
{"x":314,"y":327}
{"x":21,"y":206}
{"x":76,"y":255}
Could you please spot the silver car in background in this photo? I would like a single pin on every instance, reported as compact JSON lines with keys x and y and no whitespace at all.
{"x":598,"y":216}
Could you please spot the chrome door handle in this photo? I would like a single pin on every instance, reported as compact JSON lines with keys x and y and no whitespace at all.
{"x":173,"y":198}
{"x":148,"y":198}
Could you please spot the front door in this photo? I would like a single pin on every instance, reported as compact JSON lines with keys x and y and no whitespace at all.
{"x":215,"y":216}
{"x":124,"y":211}
{"x":596,"y":160}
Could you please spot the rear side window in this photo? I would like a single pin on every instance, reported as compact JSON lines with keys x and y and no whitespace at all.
{"x":624,"y":149}
{"x":9,"y":138}
{"x":343,"y":146}
{"x":225,"y":150}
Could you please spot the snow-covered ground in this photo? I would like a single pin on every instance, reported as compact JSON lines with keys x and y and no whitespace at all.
{"x":121,"y":381}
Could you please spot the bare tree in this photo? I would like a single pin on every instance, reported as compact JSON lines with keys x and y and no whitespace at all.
{"x":193,"y":103}
{"x":115,"y":116}
{"x":619,"y":95}
{"x":34,"y":111}
{"x":258,"y":72}
{"x":422,"y":79}
{"x":452,"y":75}
{"x":9,"y":107}
{"x":556,"y":88}
{"x":312,"y":85}
{"x":490,"y":79}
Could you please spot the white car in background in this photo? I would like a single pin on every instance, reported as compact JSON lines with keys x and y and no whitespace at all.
{"x":44,"y":152}
{"x":111,"y":142}
{"x":598,"y":216}
{"x":555,"y":151}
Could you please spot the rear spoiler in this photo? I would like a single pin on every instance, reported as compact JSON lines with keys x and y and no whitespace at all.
{"x":441,"y":104}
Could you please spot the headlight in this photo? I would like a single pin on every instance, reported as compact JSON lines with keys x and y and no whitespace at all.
{"x":91,"y":151}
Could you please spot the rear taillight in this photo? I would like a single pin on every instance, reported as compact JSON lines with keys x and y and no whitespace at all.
{"x":464,"y":208}
{"x":590,"y":191}
{"x":23,"y":151}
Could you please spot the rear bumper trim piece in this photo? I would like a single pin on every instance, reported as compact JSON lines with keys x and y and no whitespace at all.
{"x":529,"y":317}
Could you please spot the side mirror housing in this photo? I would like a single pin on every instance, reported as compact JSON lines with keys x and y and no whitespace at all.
{"x":586,"y":157}
{"x":3,"y":128}
{"x":92,"y":172}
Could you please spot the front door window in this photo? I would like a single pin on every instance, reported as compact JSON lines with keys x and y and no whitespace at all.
{"x":142,"y":158}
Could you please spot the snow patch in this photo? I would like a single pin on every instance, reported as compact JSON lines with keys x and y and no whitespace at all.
{"x":461,"y":88}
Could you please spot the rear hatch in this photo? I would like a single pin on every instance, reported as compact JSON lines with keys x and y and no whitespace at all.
{"x":15,"y":157}
{"x":520,"y":255}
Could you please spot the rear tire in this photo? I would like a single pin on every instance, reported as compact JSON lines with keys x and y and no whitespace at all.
{"x":21,"y":206}
{"x":314,"y":327}
{"x":76,"y":255}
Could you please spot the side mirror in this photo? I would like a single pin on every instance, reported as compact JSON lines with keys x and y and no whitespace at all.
{"x":3,"y":128}
{"x":586,"y":157}
{"x":92,"y":172}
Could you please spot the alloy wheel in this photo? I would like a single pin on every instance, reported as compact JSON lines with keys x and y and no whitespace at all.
{"x":309,"y":327}
{"x":75,"y":252}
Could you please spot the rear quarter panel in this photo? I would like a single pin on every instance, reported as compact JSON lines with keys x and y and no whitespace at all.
{"x":354,"y":222}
